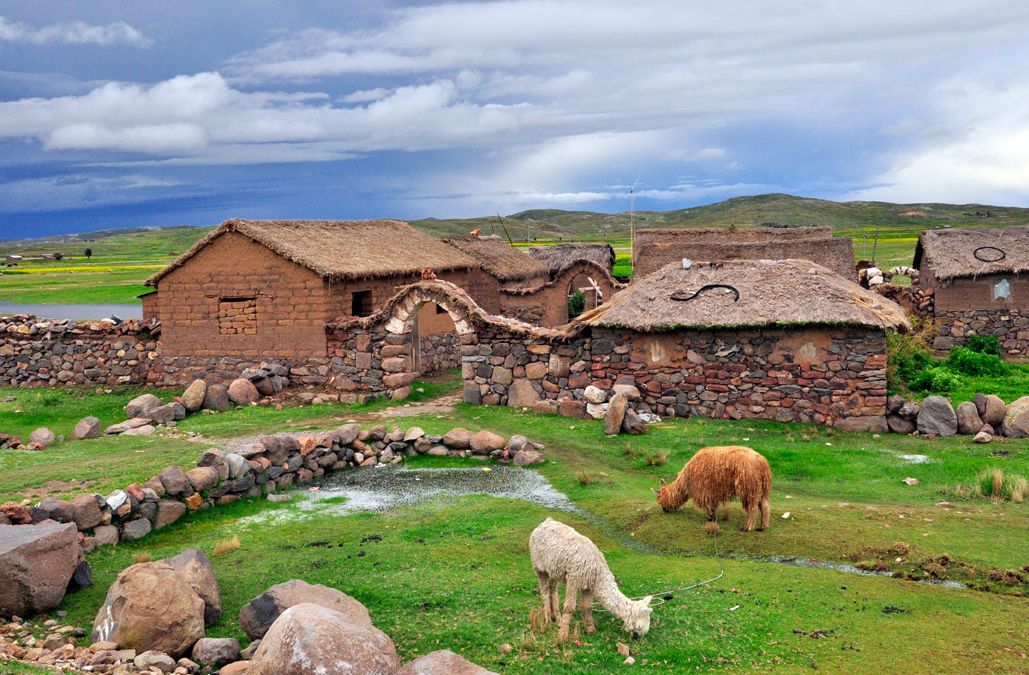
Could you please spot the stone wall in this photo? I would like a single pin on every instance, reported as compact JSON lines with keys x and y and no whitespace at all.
{"x":439,"y":352}
{"x":1011,"y":326}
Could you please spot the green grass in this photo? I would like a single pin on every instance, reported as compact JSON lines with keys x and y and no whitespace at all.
{"x":1009,"y":387}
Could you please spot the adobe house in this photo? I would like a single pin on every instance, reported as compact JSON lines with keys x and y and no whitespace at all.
{"x":979,"y":281}
{"x":655,"y":248}
{"x":786,"y":340}
{"x":266,"y":289}
{"x":560,"y":256}
{"x":511,"y":283}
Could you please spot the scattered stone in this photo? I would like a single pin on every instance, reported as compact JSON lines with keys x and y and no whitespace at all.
{"x":154,"y":659}
{"x":443,"y":662}
{"x":36,"y":564}
{"x":279,"y":497}
{"x":937,"y":417}
{"x":174,"y":480}
{"x":518,"y":442}
{"x":202,"y":478}
{"x":216,"y":651}
{"x":87,"y":427}
{"x":105,"y":535}
{"x":458,"y":438}
{"x":193,"y":396}
{"x":145,"y":430}
{"x":596,"y":410}
{"x":413,"y":434}
{"x":909,"y":410}
{"x":135,"y":529}
{"x":594,"y":394}
{"x":168,"y":511}
{"x":983,"y":437}
{"x":616,"y":408}
{"x":141,"y":405}
{"x":633,"y":423}
{"x":217,"y":398}
{"x":163,"y":414}
{"x":248,"y":653}
{"x":310,"y":638}
{"x":257,"y":616}
{"x":43,"y":437}
{"x":969,"y":422}
{"x":900,"y":425}
{"x":528,"y":457}
{"x":127,"y":425}
{"x":1016,"y":419}
{"x":243,"y":392}
{"x":911,"y":481}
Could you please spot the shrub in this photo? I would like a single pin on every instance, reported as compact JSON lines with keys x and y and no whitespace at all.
{"x":935,"y":379}
{"x":576,"y":304}
{"x":984,"y":344}
{"x":907,"y":356}
{"x":970,"y":362}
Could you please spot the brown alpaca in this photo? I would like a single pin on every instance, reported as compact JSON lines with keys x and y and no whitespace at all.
{"x":715,"y":475}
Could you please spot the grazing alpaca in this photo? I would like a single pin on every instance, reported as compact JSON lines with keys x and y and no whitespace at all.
{"x":559,"y":553}
{"x":715,"y":475}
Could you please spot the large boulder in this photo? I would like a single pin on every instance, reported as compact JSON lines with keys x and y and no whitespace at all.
{"x":36,"y":564}
{"x":196,"y":570}
{"x":151,"y":607}
{"x":485,"y":442}
{"x":43,"y":436}
{"x":969,"y":422}
{"x":217,"y":398}
{"x":443,"y":662}
{"x":309,"y":638}
{"x":257,"y":616}
{"x":457,"y":438}
{"x":193,"y":397}
{"x":994,"y":411}
{"x":633,"y":423}
{"x":521,"y":394}
{"x":141,"y":405}
{"x":243,"y":392}
{"x":937,"y":417}
{"x":87,"y":427}
{"x":1016,"y":419}
{"x":615,"y":414}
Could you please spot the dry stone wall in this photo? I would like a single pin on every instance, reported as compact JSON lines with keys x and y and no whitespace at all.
{"x":1011,"y":326}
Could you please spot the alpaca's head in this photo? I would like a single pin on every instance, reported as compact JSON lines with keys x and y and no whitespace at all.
{"x":670,"y":498}
{"x":638,"y":621}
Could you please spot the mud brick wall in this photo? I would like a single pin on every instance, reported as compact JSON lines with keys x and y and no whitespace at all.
{"x":1011,"y":326}
{"x":817,"y":375}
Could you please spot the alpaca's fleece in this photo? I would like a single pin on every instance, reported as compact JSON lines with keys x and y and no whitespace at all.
{"x":559,"y":553}
{"x":715,"y":475}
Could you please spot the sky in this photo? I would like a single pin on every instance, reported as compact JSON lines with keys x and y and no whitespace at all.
{"x":127,"y":114}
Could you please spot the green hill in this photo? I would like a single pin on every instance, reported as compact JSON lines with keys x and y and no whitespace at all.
{"x":122,"y":259}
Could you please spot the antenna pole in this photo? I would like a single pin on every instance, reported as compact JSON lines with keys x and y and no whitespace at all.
{"x":632,"y":227}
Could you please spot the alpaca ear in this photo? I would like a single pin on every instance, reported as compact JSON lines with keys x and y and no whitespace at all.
{"x":663,"y":483}
{"x":646,"y":601}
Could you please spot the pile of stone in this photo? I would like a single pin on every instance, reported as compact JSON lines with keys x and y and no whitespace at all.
{"x":39,"y":439}
{"x":985,"y":417}
{"x":259,"y":468}
{"x":614,"y":406}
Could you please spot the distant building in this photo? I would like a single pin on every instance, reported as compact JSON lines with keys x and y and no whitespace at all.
{"x":979,"y":279}
{"x":13,"y":259}
{"x":655,"y":248}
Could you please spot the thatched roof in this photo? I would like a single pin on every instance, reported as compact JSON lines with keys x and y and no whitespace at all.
{"x":341,"y":249}
{"x":970,"y":252}
{"x":498,"y":258}
{"x":770,"y":293}
{"x":655,"y":248}
{"x":560,"y":256}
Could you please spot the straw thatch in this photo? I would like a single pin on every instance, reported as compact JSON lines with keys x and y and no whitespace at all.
{"x":655,"y":248}
{"x":559,"y":257}
{"x":499,"y":259}
{"x":341,"y":249}
{"x":951,"y":253}
{"x":770,"y":293}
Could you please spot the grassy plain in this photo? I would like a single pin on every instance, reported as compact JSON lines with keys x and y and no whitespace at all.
{"x":453,"y":572}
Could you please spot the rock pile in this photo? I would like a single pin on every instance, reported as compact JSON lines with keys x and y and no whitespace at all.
{"x":984,"y":417}
{"x":614,"y":406}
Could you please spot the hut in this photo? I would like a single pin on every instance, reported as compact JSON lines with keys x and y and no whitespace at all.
{"x":786,"y":340}
{"x":560,"y":256}
{"x":266,"y":289}
{"x":979,"y":282}
{"x":655,"y":248}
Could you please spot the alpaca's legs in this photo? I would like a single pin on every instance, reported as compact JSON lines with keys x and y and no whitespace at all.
{"x":766,"y":513}
{"x":544,"y":580}
{"x":555,"y":602}
{"x":711,"y":514}
{"x":571,"y":591}
{"x":586,"y":607}
{"x":751,"y":510}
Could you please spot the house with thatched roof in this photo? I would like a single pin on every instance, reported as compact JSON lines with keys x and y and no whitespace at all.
{"x":655,"y":248}
{"x":787,"y":340}
{"x":560,"y":256}
{"x":512,"y":283}
{"x":979,"y":281}
{"x":266,"y":289}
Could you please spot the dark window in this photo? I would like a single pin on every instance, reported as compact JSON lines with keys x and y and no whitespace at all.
{"x":361,"y":303}
{"x":440,"y":310}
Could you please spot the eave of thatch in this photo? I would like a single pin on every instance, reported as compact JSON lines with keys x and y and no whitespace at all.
{"x":950,"y":253}
{"x":771,"y":293}
{"x":341,"y":249}
{"x":560,"y":257}
{"x":499,"y":259}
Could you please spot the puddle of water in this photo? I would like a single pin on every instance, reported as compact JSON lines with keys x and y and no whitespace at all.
{"x":387,"y":487}
{"x":914,"y":459}
{"x":848,"y":569}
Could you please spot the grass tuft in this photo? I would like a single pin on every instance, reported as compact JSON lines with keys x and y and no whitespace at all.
{"x":657,"y":459}
{"x":993,"y":483}
{"x":226,"y":546}
{"x":141,"y":557}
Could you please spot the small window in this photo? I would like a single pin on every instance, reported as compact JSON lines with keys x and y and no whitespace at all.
{"x":361,"y":303}
{"x":237,"y":316}
{"x":1002,"y":290}
{"x":440,"y":310}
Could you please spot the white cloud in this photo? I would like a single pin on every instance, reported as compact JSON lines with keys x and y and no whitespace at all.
{"x":73,"y":32}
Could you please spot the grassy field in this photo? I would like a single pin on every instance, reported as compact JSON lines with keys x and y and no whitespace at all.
{"x":121,"y":261}
{"x":454,"y":573}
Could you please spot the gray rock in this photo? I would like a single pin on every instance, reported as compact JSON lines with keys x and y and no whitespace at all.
{"x":518,"y":442}
{"x":217,"y":398}
{"x":127,"y":425}
{"x":36,"y":564}
{"x":193,"y":397}
{"x":105,"y":535}
{"x":443,"y":662}
{"x":596,"y":410}
{"x":969,"y":422}
{"x":594,"y":394}
{"x":900,"y":425}
{"x":145,"y":430}
{"x":216,"y":651}
{"x":1016,"y":419}
{"x":616,"y":408}
{"x":894,"y":403}
{"x":873,"y":423}
{"x":141,"y":405}
{"x":458,"y":438}
{"x":238,"y":466}
{"x":163,"y":414}
{"x":87,"y":427}
{"x":937,"y":417}
{"x":983,"y":437}
{"x":59,"y":510}
{"x":527,"y":457}
{"x":135,"y":529}
{"x":154,"y":659}
{"x":88,"y":513}
{"x":484,"y":442}
{"x":168,"y":511}
{"x":909,"y":410}
{"x":257,"y":616}
{"x":43,"y":436}
{"x":348,"y":433}
{"x":630,"y":390}
{"x":174,"y":480}
{"x":633,"y":424}
{"x":994,"y":411}
{"x":195,"y":569}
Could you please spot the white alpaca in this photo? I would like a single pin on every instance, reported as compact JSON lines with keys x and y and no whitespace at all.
{"x":559,"y":553}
